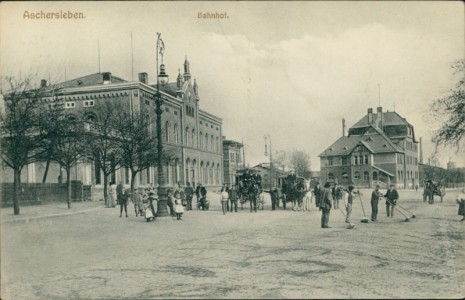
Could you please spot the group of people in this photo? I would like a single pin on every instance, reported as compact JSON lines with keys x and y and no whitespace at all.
{"x":327,"y":199}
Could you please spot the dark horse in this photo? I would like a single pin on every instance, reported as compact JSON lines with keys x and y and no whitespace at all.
{"x":249,"y":192}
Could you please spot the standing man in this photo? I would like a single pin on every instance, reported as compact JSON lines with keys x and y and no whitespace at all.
{"x":224,"y":198}
{"x":350,"y":200}
{"x":189,"y":193}
{"x":325,"y":205}
{"x":317,"y":193}
{"x":203,"y":196}
{"x":391,"y":200}
{"x":197,"y":193}
{"x":274,"y":198}
{"x":233,"y":196}
{"x":124,"y":203}
{"x":375,"y":195}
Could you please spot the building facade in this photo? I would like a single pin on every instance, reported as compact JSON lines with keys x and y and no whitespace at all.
{"x":379,"y":149}
{"x":193,"y":134}
{"x":232,"y":160}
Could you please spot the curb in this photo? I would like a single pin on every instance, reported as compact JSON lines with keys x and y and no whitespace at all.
{"x":51,"y":216}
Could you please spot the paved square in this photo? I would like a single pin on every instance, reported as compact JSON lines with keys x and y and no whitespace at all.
{"x":269,"y":254}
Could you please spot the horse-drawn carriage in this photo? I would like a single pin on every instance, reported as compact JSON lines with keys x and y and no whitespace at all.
{"x":249,"y":185}
{"x":432,"y":189}
{"x":293,"y":190}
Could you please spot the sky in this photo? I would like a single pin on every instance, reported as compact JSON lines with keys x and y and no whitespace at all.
{"x":292,"y":70}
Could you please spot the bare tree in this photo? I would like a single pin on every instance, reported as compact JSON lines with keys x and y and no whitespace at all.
{"x":138,"y":143}
{"x":300,"y":161}
{"x":22,"y":138}
{"x":103,"y":140}
{"x":450,"y":111}
{"x":69,"y":146}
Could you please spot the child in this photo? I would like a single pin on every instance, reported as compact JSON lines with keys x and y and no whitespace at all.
{"x":461,"y":201}
{"x":178,"y":208}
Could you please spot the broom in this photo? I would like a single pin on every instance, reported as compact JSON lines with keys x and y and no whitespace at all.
{"x":365,"y":219}
{"x":406,"y":218}
{"x":413,"y":215}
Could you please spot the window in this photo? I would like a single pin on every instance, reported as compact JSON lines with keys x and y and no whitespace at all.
{"x":206,"y":141}
{"x":187,"y":136}
{"x":360,"y":160}
{"x":176,"y":133}
{"x":126,"y":175}
{"x":345,"y":176}
{"x":366,"y":159}
{"x":147,"y":123}
{"x":357,"y":175}
{"x":232,"y":157}
{"x":212,"y":142}
{"x":344,"y":161}
{"x":70,"y":105}
{"x":366,"y":176}
{"x":89,"y":103}
{"x":167,"y":131}
{"x":194,"y":140}
{"x":331,"y":176}
{"x":201,"y":140}
{"x":330,"y":161}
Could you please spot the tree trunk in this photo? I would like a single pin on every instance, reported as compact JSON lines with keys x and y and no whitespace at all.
{"x":16,"y":190}
{"x":46,"y":171}
{"x":133,"y":177}
{"x":105,"y":188}
{"x":68,"y":184}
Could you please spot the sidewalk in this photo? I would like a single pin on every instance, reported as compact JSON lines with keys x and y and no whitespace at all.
{"x":53,"y":209}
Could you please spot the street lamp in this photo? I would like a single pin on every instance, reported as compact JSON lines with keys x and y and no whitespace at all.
{"x":162,"y":78}
{"x":266,"y":137}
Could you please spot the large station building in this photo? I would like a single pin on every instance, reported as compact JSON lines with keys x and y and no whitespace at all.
{"x":194,"y":135}
{"x":380,"y":148}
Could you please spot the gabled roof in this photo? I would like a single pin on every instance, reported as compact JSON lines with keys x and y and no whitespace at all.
{"x":389,"y":118}
{"x":373,"y":139}
{"x":88,"y":80}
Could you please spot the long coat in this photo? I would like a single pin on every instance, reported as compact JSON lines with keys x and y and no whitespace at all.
{"x":326,"y":199}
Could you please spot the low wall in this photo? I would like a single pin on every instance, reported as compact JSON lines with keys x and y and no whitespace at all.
{"x":37,"y":193}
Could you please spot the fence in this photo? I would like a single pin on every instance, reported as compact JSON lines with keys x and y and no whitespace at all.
{"x":38,"y":193}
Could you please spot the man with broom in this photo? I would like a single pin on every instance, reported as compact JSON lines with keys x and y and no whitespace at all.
{"x":391,"y":200}
{"x":375,"y":196}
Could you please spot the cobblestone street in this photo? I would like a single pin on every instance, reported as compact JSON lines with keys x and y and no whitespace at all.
{"x":269,"y":254}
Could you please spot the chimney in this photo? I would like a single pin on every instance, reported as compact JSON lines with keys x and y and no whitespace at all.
{"x":106,"y":78}
{"x":379,"y":113}
{"x":421,"y":150}
{"x":43,"y":83}
{"x":144,"y":77}
{"x":343,"y":127}
{"x":370,"y":116}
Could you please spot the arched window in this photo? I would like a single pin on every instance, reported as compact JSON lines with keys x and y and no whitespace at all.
{"x":217,"y":145}
{"x":366,"y":176}
{"x":206,"y":141}
{"x":194,"y":140}
{"x":201,"y":140}
{"x":147,"y":123}
{"x":167,"y":131}
{"x":375,"y":175}
{"x":331,"y":176}
{"x":187,"y":136}
{"x":212,"y":141}
{"x":176,"y":134}
{"x":345,"y":176}
{"x":357,"y":175}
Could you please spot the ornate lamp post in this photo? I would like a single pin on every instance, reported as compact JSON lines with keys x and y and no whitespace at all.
{"x":266,"y":137}
{"x":162,"y":78}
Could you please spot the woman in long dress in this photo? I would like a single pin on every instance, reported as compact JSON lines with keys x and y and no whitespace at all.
{"x":178,"y":208}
